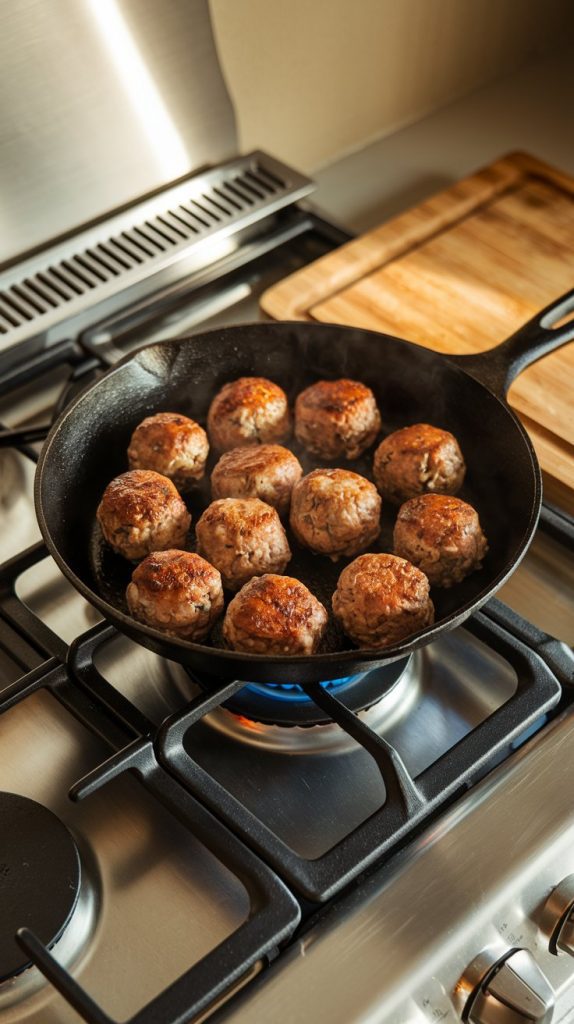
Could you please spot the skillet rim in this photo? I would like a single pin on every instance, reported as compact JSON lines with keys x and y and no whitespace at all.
{"x":355,"y":654}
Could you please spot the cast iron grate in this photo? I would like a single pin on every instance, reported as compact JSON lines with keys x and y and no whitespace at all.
{"x":71,"y":677}
{"x":410,"y":799}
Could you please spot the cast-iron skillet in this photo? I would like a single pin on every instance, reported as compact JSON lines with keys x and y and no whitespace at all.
{"x":465,"y":394}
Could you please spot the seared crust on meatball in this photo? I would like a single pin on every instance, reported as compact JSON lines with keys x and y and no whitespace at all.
{"x":242,"y":538}
{"x":176,"y":591}
{"x":274,"y":615}
{"x":442,"y":536}
{"x":418,"y":459}
{"x":250,"y":410}
{"x":335,"y":512}
{"x":381,"y":599}
{"x":140,"y":512}
{"x":170,"y":444}
{"x":337,"y":418}
{"x":266,"y":471}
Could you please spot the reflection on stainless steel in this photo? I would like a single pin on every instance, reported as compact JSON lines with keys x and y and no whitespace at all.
{"x":12,"y":482}
{"x":165,"y":142}
{"x":73,"y":148}
{"x":184,"y":321}
{"x":229,"y":993}
{"x":19,"y":526}
{"x":476,"y":878}
{"x":27,"y":406}
{"x":145,"y":679}
{"x":542,"y":588}
{"x":152,"y":870}
{"x":43,"y":589}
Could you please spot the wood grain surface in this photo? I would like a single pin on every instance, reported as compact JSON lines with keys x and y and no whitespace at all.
{"x":459,"y":273}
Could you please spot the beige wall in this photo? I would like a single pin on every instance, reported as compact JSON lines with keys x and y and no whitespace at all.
{"x":313,"y":79}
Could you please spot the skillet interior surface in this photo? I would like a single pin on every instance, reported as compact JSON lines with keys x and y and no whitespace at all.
{"x":87,"y":448}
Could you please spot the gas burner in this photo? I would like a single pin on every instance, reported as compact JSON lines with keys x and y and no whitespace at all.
{"x":278,"y":704}
{"x":324,"y":735}
{"x":43,"y":888}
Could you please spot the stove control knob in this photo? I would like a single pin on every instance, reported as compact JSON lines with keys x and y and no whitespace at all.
{"x":513,"y":991}
{"x":557,"y":919}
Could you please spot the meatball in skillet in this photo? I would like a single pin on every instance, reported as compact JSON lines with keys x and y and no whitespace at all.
{"x":337,"y":418}
{"x":242,"y":538}
{"x":170,"y":444}
{"x":335,"y":512}
{"x":274,"y":615}
{"x":140,"y":512}
{"x":442,"y":536}
{"x":418,"y":459}
{"x":250,"y":410}
{"x":266,"y":471}
{"x":176,"y":591}
{"x":381,"y":599}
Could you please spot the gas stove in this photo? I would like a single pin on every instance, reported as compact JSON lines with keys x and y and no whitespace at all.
{"x":177,"y":849}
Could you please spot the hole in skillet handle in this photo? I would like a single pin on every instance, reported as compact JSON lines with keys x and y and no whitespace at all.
{"x":562,"y":321}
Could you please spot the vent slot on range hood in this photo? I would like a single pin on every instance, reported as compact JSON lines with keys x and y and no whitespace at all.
{"x":138,"y":244}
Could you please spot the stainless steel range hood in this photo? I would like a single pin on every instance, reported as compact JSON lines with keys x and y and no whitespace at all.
{"x":119,"y":171}
{"x":103,"y":102}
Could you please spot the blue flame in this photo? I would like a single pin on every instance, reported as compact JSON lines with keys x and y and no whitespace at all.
{"x":293,"y":691}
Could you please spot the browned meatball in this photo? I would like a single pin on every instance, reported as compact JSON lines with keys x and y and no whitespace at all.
{"x":140,"y":512}
{"x":250,"y":410}
{"x":170,"y":444}
{"x":242,"y":538}
{"x":337,"y":418}
{"x":274,"y":615}
{"x":335,"y":512}
{"x":266,"y":471}
{"x":176,"y":591}
{"x":416,"y":459}
{"x":442,"y":536}
{"x":381,"y":599}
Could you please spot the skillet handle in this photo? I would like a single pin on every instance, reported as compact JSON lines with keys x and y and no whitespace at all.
{"x":498,"y":367}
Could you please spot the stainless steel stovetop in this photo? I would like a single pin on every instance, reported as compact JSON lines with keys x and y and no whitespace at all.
{"x":217,"y":837}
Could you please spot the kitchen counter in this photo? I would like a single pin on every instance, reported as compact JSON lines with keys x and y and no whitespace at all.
{"x":530,"y":110}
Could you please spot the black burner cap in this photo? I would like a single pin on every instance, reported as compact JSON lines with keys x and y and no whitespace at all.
{"x":39,"y":877}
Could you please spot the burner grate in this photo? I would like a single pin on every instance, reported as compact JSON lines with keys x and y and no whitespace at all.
{"x":410,"y":800}
{"x":75,"y":682}
{"x":162,"y":765}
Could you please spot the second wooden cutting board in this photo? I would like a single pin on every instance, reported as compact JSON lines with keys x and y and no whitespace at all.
{"x":458,"y":274}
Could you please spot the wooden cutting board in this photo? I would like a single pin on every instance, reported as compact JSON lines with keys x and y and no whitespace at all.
{"x":459,"y":273}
